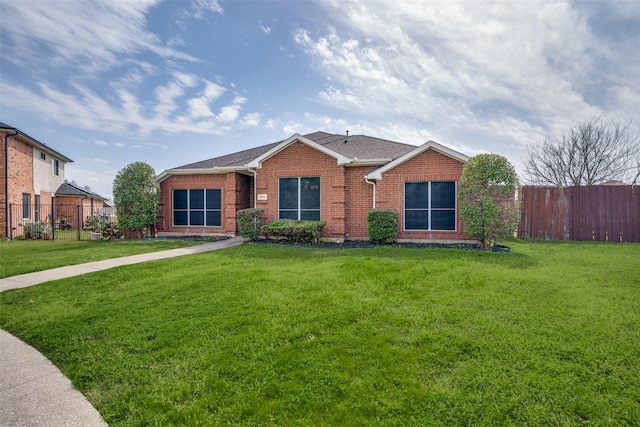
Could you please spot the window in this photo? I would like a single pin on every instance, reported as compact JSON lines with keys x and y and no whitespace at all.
{"x":26,"y":205}
{"x":197,"y":207}
{"x":430,"y":205}
{"x":36,"y":207}
{"x":55,"y":167}
{"x":299,"y":198}
{"x":43,"y":155}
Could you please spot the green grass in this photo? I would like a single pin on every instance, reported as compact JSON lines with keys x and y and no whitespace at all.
{"x":27,"y":256}
{"x":257,"y":335}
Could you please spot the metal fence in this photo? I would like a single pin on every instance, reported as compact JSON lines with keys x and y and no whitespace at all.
{"x":596,"y":212}
{"x":59,"y":221}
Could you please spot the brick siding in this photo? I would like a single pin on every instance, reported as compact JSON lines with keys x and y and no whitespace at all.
{"x":430,"y":165}
{"x":20,"y":170}
{"x":236,"y":194}
{"x":344,"y":194}
{"x":300,"y":160}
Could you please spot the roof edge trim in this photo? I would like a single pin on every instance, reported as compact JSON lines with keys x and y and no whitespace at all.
{"x":200,"y":171}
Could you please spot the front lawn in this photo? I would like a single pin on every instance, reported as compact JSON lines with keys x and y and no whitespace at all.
{"x":267,"y":335}
{"x":27,"y":256}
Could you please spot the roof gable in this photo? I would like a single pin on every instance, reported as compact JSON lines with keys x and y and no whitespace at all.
{"x":34,"y":142}
{"x":257,"y":162}
{"x":73,"y":189}
{"x":429,"y":145}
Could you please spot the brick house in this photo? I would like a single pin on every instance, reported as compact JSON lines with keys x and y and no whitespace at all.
{"x":75,"y":203}
{"x":319,"y":176}
{"x":30,"y":174}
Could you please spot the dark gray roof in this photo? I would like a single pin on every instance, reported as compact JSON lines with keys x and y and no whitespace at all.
{"x":74,"y":189}
{"x":361,"y":146}
{"x":356,"y":146}
{"x":240,"y":158}
{"x":35,"y":142}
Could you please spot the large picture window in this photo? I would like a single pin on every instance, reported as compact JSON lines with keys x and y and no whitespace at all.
{"x":197,"y":207}
{"x":430,"y":205}
{"x":299,"y":198}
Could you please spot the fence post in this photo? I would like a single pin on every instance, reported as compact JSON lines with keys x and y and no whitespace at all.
{"x":53,"y":218}
{"x":79,"y":221}
{"x":10,"y":219}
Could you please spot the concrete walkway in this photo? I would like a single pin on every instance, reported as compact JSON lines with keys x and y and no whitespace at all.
{"x":33,"y":392}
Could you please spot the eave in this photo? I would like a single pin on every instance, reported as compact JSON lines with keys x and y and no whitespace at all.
{"x":201,"y":171}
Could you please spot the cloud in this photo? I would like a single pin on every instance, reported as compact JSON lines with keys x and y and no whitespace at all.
{"x":92,"y":36}
{"x":184,"y":104}
{"x":200,"y":8}
{"x":101,"y":143}
{"x":231,"y":112}
{"x":200,"y":107}
{"x":506,"y":70}
{"x":251,"y":120}
{"x":265,"y":29}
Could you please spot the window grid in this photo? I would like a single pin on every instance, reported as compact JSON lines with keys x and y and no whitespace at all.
{"x":430,"y":206}
{"x":304,"y":203}
{"x":197,"y":207}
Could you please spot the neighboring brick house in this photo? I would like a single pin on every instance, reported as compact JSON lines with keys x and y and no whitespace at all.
{"x":30,"y":174}
{"x":74,"y":202}
{"x":334,"y":178}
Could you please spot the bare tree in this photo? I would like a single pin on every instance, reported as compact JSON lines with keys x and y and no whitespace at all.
{"x":593,"y":152}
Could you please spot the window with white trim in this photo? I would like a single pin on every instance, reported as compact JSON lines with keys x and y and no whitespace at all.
{"x":299,"y":198}
{"x":26,"y":205}
{"x":201,"y":207}
{"x":55,"y":167}
{"x":430,"y":205}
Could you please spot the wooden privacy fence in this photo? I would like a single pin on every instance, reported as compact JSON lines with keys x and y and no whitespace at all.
{"x":594,"y":212}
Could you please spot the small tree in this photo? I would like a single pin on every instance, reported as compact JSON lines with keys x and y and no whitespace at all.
{"x":136,"y":196}
{"x":592,"y":152}
{"x":487,"y":198}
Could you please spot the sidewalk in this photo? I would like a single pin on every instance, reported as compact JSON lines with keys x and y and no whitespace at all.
{"x":33,"y":392}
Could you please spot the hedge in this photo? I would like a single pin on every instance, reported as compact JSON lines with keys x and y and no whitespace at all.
{"x":295,"y":230}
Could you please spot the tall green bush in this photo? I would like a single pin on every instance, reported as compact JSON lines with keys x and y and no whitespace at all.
{"x":250,"y":222}
{"x":382,"y":225}
{"x":137,"y":197}
{"x":487,"y":198}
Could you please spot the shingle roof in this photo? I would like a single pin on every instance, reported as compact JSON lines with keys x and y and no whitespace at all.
{"x":240,"y":158}
{"x":35,"y":142}
{"x":74,"y":189}
{"x":361,"y":147}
